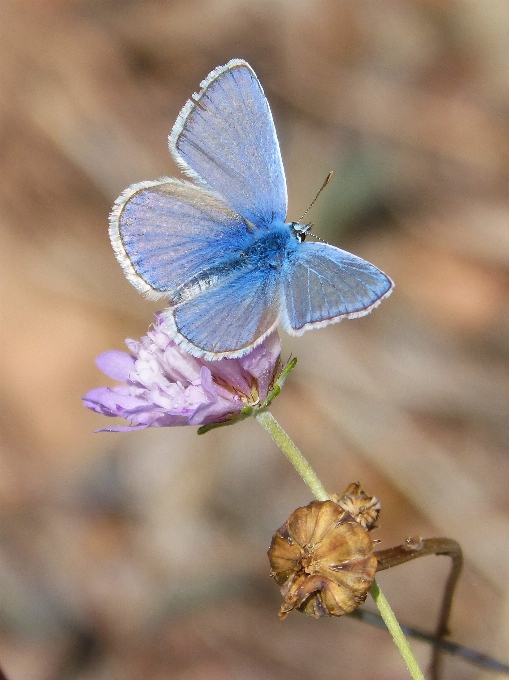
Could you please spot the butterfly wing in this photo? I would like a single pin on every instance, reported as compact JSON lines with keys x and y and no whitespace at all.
{"x":323,"y":284}
{"x":230,"y":319}
{"x":225,"y":139}
{"x":166,"y":233}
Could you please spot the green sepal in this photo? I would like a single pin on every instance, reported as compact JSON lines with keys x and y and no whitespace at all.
{"x":245,"y":413}
{"x":249,"y":410}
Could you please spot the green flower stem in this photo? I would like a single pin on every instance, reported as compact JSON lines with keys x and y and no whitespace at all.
{"x":395,"y":630}
{"x":270,"y":424}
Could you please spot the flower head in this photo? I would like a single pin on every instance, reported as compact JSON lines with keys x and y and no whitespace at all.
{"x":322,"y":559}
{"x":165,"y":386}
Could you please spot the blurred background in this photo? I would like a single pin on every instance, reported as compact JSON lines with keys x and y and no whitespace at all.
{"x":143,"y":555}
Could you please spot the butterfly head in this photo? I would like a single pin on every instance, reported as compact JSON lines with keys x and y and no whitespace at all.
{"x":300,"y":230}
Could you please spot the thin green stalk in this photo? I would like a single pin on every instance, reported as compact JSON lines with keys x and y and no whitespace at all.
{"x":270,"y":424}
{"x":395,"y":630}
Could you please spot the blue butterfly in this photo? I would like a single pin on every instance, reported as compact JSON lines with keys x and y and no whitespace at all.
{"x":219,"y":248}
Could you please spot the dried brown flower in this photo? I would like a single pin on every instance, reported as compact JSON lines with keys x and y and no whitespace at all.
{"x":322,"y":560}
{"x":363,"y":508}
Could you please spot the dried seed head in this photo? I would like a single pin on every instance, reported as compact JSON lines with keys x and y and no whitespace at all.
{"x":322,"y":560}
{"x":363,"y":508}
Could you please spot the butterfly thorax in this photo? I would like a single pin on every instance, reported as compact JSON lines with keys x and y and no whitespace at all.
{"x":268,"y":250}
{"x":270,"y":247}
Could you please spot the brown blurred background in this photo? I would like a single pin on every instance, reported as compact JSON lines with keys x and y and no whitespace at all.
{"x":142,"y":555}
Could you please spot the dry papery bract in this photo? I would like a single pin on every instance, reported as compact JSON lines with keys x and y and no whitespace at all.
{"x":322,"y":557}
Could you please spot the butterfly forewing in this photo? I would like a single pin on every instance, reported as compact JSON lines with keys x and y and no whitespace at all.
{"x":225,"y":137}
{"x":164,"y":233}
{"x":323,"y":285}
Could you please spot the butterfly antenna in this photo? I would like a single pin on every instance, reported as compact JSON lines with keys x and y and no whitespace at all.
{"x":310,"y":233}
{"x":327,"y":180}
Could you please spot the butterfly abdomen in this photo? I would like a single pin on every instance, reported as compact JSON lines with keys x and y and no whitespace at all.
{"x":206,"y":279}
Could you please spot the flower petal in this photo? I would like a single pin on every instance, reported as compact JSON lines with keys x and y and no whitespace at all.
{"x":116,"y":364}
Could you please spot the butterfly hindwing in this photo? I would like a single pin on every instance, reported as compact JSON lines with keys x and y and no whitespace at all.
{"x":225,"y":138}
{"x":323,"y":284}
{"x":230,"y":318}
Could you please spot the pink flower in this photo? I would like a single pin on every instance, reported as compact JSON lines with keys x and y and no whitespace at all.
{"x":165,"y":386}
